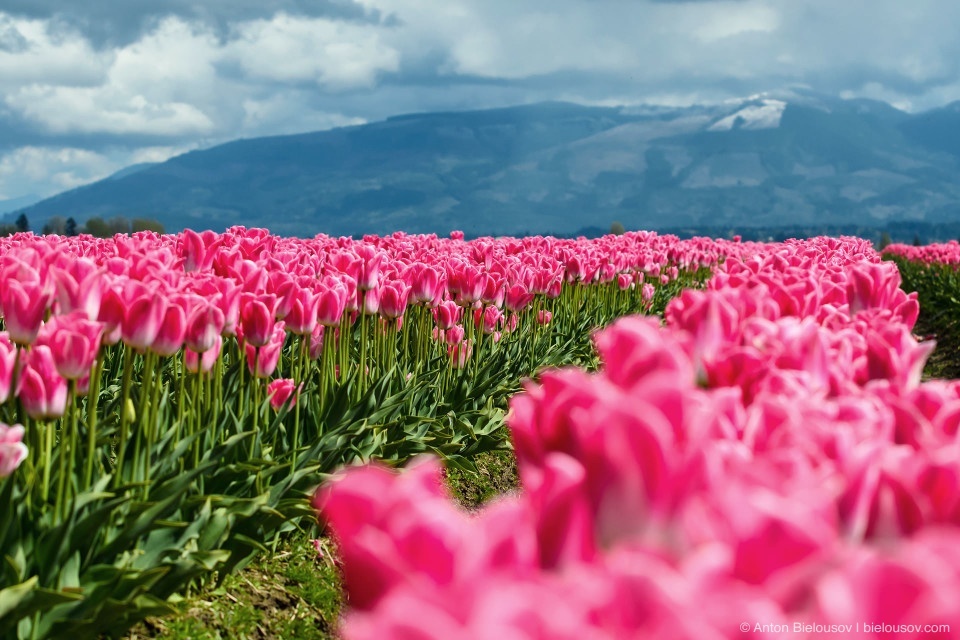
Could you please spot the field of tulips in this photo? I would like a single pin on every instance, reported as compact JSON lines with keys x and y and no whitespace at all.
{"x":168,"y":404}
{"x":765,"y":463}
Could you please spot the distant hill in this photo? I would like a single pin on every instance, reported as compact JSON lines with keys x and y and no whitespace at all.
{"x":15,"y":204}
{"x":797,"y":160}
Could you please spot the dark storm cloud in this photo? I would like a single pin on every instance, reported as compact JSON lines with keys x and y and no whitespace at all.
{"x":120,"y":22}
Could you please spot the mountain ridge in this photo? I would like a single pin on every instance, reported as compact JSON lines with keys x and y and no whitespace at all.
{"x":764,"y":161}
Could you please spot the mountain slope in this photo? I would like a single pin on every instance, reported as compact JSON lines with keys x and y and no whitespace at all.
{"x":763,"y":161}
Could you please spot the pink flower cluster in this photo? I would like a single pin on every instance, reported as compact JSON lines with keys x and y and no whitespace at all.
{"x":769,"y":457}
{"x":62,"y":298}
{"x":938,"y":253}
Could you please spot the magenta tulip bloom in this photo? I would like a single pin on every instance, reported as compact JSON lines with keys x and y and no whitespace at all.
{"x":257,"y":320}
{"x":12,"y":449}
{"x":79,"y":288}
{"x":24,"y":305}
{"x":331,"y":304}
{"x":447,"y":314}
{"x":517,"y":298}
{"x":304,"y":311}
{"x":74,"y":341}
{"x":393,"y":299}
{"x":202,"y":363}
{"x":41,"y":388}
{"x":459,"y":353}
{"x":203,"y":327}
{"x":281,"y":392}
{"x":263,"y":361}
{"x":141,"y":319}
{"x":8,"y":358}
{"x":425,"y":283}
{"x":169,"y":339}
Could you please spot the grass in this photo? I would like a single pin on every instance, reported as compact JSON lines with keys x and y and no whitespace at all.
{"x":295,"y":594}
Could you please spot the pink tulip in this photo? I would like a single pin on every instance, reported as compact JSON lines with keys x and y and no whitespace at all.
{"x":517,"y":298}
{"x":257,"y":321}
{"x":12,"y":449}
{"x":370,"y":304}
{"x":202,"y":363}
{"x":331,"y":304}
{"x":74,"y":342}
{"x":143,"y":313}
{"x":393,"y":299}
{"x":24,"y":305}
{"x":316,"y":340}
{"x":281,"y":392}
{"x":425,"y":283}
{"x":262,"y":361}
{"x":304,"y":309}
{"x":371,"y":259}
{"x":8,"y":359}
{"x":488,"y":319}
{"x":447,"y":314}
{"x":41,"y":389}
{"x":79,"y":287}
{"x":203,"y":327}
{"x":173,"y":330}
{"x":544,"y":316}
{"x":459,"y":352}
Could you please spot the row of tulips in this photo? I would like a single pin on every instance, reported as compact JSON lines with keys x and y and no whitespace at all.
{"x":168,"y":401}
{"x":767,"y":462}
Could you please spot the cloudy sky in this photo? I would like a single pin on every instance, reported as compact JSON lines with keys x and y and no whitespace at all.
{"x":88,"y":87}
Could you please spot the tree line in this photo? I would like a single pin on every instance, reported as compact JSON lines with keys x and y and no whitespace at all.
{"x":96,"y":226}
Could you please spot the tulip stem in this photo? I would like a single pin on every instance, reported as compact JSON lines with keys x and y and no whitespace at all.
{"x":48,"y":459}
{"x":128,"y":356}
{"x":93,"y":399}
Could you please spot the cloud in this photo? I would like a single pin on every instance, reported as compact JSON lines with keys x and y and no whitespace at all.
{"x":335,"y":55}
{"x":45,"y":171}
{"x":116,"y":23}
{"x":118,"y":78}
{"x":35,"y":51}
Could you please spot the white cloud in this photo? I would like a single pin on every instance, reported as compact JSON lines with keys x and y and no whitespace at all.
{"x":158,"y":154}
{"x":31,"y":52}
{"x":335,"y":55}
{"x":107,"y":110}
{"x":46,"y":170}
{"x":288,"y":112}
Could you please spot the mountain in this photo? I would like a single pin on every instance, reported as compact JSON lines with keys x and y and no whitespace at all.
{"x":14,"y":204}
{"x":766,"y":161}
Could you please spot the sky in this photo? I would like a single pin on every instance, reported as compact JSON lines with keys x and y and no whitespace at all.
{"x":89,"y":87}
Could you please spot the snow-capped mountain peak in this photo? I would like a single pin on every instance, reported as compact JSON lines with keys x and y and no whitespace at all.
{"x":761,"y":114}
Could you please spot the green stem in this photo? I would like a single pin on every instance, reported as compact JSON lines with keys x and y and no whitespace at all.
{"x":128,"y":356}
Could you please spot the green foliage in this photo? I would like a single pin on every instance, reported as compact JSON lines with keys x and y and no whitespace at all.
{"x":162,"y":478}
{"x":101,"y":228}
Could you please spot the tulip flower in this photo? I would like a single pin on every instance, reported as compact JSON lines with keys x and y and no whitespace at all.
{"x":393,"y":299}
{"x":257,"y":320}
{"x":41,"y":389}
{"x":202,"y":363}
{"x":8,"y":359}
{"x":281,"y":392}
{"x":262,"y":361}
{"x":203,"y":327}
{"x":447,"y":314}
{"x":144,"y":310}
{"x":331,"y":303}
{"x":74,"y":342}
{"x":173,"y":329}
{"x":24,"y":305}
{"x":12,"y":449}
